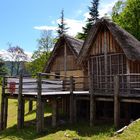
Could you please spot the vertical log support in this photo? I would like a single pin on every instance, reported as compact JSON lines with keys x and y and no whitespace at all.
{"x":40,"y":111}
{"x":2,"y":105}
{"x":20,"y":117}
{"x":5,"y":112}
{"x":30,"y":105}
{"x":116,"y":102}
{"x":71,"y":99}
{"x":54,"y":112}
{"x":75,"y":109}
{"x":92,"y":103}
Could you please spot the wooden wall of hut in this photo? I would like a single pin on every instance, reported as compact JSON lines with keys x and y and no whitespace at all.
{"x":72,"y":68}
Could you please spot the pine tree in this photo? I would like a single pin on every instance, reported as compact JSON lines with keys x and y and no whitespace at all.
{"x":62,"y":29}
{"x":94,"y":14}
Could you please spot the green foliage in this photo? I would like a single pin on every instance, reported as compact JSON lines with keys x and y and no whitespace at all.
{"x":127,"y":15}
{"x":38,"y":64}
{"x":94,"y":14}
{"x":62,"y":29}
{"x":41,"y":55}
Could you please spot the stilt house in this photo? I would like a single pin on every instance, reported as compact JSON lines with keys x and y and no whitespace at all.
{"x":110,"y":50}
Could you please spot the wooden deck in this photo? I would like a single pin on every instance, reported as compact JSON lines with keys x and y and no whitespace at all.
{"x":41,"y":89}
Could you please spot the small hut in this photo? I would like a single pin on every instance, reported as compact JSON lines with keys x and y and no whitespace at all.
{"x":110,"y":50}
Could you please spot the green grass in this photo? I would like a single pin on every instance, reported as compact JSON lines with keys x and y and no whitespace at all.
{"x":131,"y":133}
{"x":80,"y":131}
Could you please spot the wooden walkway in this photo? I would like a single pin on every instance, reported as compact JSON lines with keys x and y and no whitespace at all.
{"x":41,"y":89}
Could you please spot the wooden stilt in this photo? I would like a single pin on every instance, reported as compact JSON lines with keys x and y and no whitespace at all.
{"x":75,"y":110}
{"x":5,"y":112}
{"x":71,"y":99}
{"x":92,"y":103}
{"x":20,"y":104}
{"x":54,"y":112}
{"x":2,"y":105}
{"x":30,"y":105}
{"x":23,"y":110}
{"x":39,"y":112}
{"x":116,"y":102}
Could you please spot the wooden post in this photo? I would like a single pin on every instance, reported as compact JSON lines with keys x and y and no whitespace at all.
{"x":116,"y":102}
{"x":30,"y":105}
{"x":20,"y":113}
{"x":39,"y":112}
{"x":71,"y":99}
{"x":5,"y":112}
{"x":54,"y":112}
{"x":92,"y":103}
{"x":75,"y":109}
{"x":2,"y":104}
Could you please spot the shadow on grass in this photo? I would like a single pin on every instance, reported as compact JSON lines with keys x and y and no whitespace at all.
{"x":82,"y":129}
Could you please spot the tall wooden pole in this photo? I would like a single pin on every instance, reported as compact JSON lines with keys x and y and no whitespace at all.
{"x":20,"y":117}
{"x":30,"y":105}
{"x":116,"y":102}
{"x":5,"y":112}
{"x":92,"y":97}
{"x":71,"y":99}
{"x":54,"y":112}
{"x":2,"y":105}
{"x":40,"y":112}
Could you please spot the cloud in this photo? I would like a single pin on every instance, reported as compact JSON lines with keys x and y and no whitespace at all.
{"x":74,"y":26}
{"x":45,"y":27}
{"x":106,"y":8}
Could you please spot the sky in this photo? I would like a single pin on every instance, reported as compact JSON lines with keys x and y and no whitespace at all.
{"x":21,"y":21}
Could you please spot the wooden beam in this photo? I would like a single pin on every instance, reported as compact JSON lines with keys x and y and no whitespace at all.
{"x":30,"y":105}
{"x":116,"y":102}
{"x":5,"y":112}
{"x":92,"y":103}
{"x":2,"y":105}
{"x":71,"y":99}
{"x":39,"y":112}
{"x":75,"y":110}
{"x":54,"y":112}
{"x":20,"y":104}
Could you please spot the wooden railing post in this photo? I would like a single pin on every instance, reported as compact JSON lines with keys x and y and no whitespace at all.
{"x":5,"y":112}
{"x":71,"y":99}
{"x":92,"y":102}
{"x":116,"y":102}
{"x":20,"y":117}
{"x":2,"y":105}
{"x":40,"y":112}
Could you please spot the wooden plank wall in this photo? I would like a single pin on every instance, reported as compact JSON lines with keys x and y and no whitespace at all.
{"x":98,"y":46}
{"x":58,"y":64}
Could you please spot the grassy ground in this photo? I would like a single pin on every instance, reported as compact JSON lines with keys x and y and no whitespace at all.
{"x":77,"y":131}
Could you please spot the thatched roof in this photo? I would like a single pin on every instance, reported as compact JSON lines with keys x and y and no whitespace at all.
{"x":74,"y":45}
{"x":129,"y":44}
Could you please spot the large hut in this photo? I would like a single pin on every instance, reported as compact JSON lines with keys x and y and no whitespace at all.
{"x":63,"y":60}
{"x":110,"y":50}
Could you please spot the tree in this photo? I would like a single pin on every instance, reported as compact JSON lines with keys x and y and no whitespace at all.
{"x":126,"y":14}
{"x":3,"y":69}
{"x":41,"y":55}
{"x":94,"y":14}
{"x":16,"y":56}
{"x":62,"y":29}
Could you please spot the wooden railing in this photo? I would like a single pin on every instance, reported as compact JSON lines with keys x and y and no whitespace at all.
{"x":128,"y":83}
